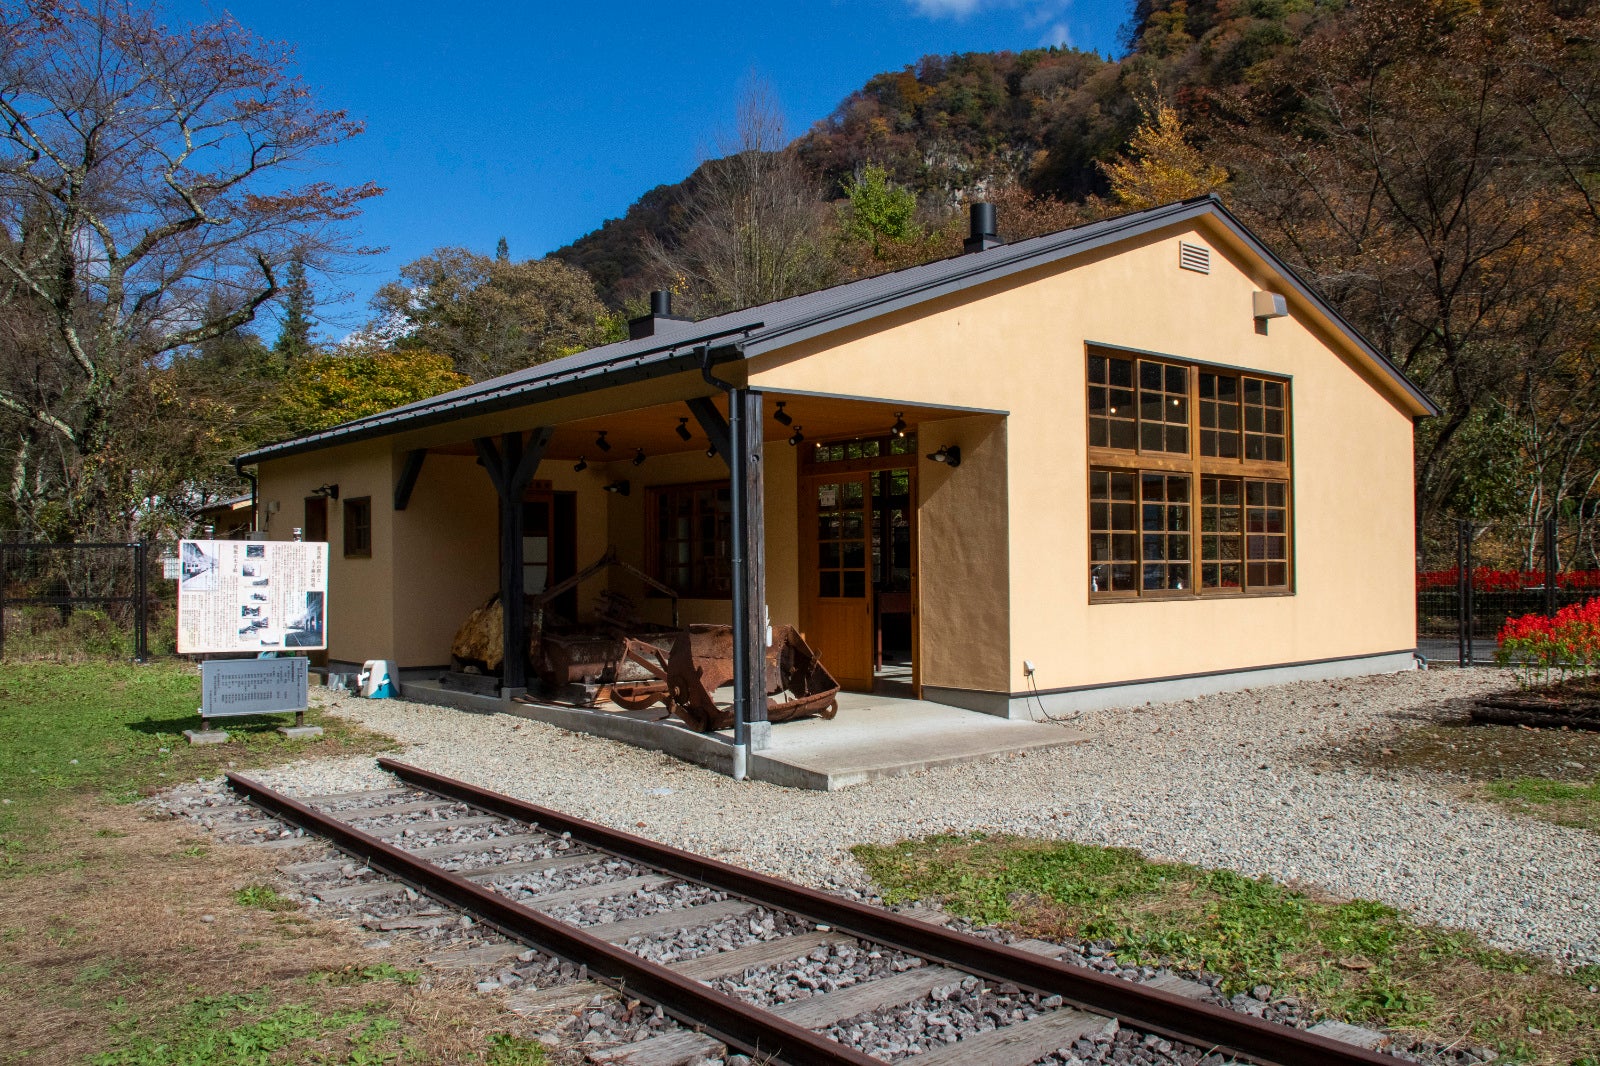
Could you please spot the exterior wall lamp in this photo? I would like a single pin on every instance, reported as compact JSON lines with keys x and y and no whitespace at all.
{"x":948,"y":454}
{"x":330,"y":492}
{"x":621,"y":488}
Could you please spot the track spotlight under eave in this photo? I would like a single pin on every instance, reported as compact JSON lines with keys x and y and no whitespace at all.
{"x":601,"y":442}
{"x":682,"y":429}
{"x":782,"y":417}
{"x":581,"y":465}
{"x":638,"y":457}
{"x":899,"y":427}
{"x":797,"y":437}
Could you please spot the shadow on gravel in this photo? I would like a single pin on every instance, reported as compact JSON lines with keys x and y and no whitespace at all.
{"x":1441,"y":738}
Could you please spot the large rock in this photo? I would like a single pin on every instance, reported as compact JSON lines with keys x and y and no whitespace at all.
{"x":479,"y":639}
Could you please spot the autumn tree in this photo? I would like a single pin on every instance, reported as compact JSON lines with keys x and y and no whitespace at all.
{"x":152,"y":193}
{"x":1398,"y":158}
{"x":878,"y":212}
{"x":490,"y":316}
{"x":324,"y":390}
{"x":1160,"y":166}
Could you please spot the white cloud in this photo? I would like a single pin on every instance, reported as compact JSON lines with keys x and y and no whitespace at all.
{"x":1057,"y":35}
{"x":955,"y":9}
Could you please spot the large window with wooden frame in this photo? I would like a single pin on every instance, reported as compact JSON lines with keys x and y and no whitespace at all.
{"x":690,"y":529}
{"x":1189,"y":479}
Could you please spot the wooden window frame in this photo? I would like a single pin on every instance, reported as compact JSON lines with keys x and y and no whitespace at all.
{"x":1196,"y":467}
{"x":357,"y":548}
{"x":698,"y":588}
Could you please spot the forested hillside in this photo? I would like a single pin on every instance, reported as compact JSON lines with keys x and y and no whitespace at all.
{"x":951,"y":128}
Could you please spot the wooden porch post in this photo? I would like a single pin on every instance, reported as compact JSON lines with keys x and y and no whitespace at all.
{"x":511,"y":467}
{"x":749,"y":579}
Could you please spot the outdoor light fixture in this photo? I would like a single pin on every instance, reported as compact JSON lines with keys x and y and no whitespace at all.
{"x":711,"y":451}
{"x":948,"y":454}
{"x":638,"y":457}
{"x":797,"y":437}
{"x":683,"y":429}
{"x":621,"y":488}
{"x":601,"y":442}
{"x":330,"y":492}
{"x":782,"y":417}
{"x":899,"y":427}
{"x":581,"y":465}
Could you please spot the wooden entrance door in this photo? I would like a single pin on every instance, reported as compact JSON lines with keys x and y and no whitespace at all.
{"x":316,"y":525}
{"x":836,"y":575}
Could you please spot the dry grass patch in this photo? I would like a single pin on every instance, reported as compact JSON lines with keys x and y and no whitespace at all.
{"x":1351,"y":959}
{"x":111,"y":960}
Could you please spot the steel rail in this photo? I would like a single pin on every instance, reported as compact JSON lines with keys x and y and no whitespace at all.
{"x":1147,"y":1009}
{"x":757,"y":1032}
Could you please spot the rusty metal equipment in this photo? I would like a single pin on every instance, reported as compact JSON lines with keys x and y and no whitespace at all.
{"x":701,"y":662}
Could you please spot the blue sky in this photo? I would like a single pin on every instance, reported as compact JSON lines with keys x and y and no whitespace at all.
{"x":539,"y":121}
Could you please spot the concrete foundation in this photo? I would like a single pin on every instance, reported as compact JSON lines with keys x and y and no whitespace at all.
{"x":1027,"y":706}
{"x":206,"y":736}
{"x":871,"y":738}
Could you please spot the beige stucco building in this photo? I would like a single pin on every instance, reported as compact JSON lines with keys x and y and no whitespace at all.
{"x":1134,"y":460}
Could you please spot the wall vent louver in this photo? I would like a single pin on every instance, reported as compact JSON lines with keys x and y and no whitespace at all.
{"x":1194,"y":257}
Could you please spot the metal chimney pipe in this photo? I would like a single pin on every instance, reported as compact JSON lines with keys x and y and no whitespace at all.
{"x":661,"y":302}
{"x":984,"y":223}
{"x":985,"y":229}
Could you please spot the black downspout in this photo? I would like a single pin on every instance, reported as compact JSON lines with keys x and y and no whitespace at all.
{"x":255,"y":488}
{"x":736,"y":565}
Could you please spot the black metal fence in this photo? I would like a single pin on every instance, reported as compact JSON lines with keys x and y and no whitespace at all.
{"x":1475,"y":576}
{"x":88,"y":599}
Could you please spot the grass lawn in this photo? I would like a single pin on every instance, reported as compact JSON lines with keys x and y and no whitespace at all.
{"x":1357,"y":960}
{"x":129,"y":940}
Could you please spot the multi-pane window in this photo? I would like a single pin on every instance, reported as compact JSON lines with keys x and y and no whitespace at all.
{"x":1265,"y":424}
{"x":1163,"y":408}
{"x":1219,"y":415}
{"x":1171,"y":518}
{"x":1221,"y":533}
{"x":1266,"y":535}
{"x":1164,"y":532}
{"x":1113,"y":530}
{"x":692,"y":531}
{"x":1113,"y":420}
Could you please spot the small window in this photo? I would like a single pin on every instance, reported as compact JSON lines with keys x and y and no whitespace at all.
{"x":358,"y":528}
{"x":1265,"y":437}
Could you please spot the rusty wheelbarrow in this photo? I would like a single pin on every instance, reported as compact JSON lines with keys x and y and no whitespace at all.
{"x":701,"y":662}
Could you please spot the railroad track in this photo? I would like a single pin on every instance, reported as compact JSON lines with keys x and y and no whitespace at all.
{"x":542,"y":877}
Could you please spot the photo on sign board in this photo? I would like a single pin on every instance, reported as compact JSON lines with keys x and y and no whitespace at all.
{"x":306,"y":631}
{"x":199,"y":569}
{"x":255,"y":551}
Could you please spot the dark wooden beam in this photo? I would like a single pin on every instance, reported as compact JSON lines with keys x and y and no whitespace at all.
{"x":489,"y":456}
{"x":749,"y":573}
{"x":511,"y":467}
{"x":408,"y":477}
{"x":716,"y":427}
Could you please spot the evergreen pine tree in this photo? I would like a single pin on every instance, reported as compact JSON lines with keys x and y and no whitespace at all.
{"x":294,"y":335}
{"x":502,"y":251}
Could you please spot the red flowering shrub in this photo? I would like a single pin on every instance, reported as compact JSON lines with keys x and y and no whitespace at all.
{"x":1569,"y":641}
{"x":1488,"y":579}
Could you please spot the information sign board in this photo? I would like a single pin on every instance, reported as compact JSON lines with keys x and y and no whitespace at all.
{"x":252,"y":596}
{"x":233,"y":687}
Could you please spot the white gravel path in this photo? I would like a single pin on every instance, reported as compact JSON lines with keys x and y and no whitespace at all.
{"x":1239,"y":780}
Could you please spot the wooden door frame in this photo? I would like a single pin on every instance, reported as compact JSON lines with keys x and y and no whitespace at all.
{"x":810,"y":475}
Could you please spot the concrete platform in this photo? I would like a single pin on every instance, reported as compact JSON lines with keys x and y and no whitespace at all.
{"x":873,"y":737}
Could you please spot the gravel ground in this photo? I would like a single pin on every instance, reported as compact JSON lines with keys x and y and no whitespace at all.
{"x":1250,"y":781}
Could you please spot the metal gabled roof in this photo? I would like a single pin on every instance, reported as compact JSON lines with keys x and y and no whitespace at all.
{"x":770,"y":326}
